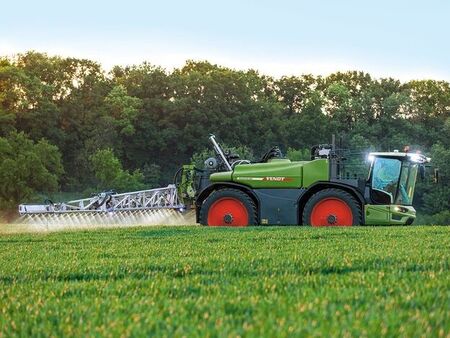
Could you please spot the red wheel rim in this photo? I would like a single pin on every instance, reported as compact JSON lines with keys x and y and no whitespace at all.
{"x":228,"y":211}
{"x":331,"y":212}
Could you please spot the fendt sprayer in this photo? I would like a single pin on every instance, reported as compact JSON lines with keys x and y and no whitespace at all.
{"x":229,"y":191}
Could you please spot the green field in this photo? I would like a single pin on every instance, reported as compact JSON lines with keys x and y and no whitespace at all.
{"x":196,"y":281}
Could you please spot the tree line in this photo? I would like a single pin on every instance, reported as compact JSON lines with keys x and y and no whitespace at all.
{"x":67,"y":125}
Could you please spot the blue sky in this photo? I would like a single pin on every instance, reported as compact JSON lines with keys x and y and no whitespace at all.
{"x":402,"y":39}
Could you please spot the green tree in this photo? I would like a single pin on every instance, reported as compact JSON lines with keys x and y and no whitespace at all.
{"x":123,"y":109}
{"x":437,"y":198}
{"x":26,"y":168}
{"x":298,"y":154}
{"x":200,"y":157}
{"x":110,"y":174}
{"x":152,"y":175}
{"x":293,"y":92}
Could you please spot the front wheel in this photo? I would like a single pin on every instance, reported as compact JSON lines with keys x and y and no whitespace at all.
{"x":332,"y":207}
{"x":228,"y":207}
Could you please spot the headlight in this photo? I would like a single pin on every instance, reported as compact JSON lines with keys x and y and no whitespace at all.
{"x":400,"y":209}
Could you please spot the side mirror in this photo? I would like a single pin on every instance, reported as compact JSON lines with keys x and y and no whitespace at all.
{"x":436,"y":175}
{"x":422,"y":172}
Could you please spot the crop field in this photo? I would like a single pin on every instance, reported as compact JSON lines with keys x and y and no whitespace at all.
{"x":196,"y":281}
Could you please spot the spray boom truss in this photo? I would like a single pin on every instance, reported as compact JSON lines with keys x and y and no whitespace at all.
{"x":160,"y":198}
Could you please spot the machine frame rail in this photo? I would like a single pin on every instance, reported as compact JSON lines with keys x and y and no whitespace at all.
{"x":159,"y":198}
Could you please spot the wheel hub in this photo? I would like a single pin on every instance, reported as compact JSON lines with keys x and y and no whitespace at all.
{"x":228,"y":218}
{"x":332,"y":219}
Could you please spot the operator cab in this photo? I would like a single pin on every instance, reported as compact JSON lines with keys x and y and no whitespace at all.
{"x":392,"y":176}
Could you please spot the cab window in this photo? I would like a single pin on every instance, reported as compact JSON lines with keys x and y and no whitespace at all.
{"x":407,"y":183}
{"x":385,"y":177}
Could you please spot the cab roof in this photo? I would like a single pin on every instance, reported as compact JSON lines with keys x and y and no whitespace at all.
{"x":413,"y":157}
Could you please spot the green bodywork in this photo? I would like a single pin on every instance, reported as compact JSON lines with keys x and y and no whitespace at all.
{"x":389,"y":214}
{"x":391,"y":174}
{"x":277,"y":173}
{"x":186,"y":188}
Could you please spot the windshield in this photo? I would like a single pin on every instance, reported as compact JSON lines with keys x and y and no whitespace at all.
{"x":385,"y":175}
{"x":407,"y":183}
{"x":393,"y":181}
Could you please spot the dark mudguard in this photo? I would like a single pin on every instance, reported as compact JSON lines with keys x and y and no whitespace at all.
{"x":278,"y":206}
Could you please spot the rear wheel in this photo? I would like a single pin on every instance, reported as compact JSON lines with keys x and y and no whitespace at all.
{"x":228,"y":207}
{"x":332,"y":207}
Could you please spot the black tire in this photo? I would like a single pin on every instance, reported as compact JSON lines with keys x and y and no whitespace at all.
{"x":228,"y":194}
{"x":335,"y":195}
